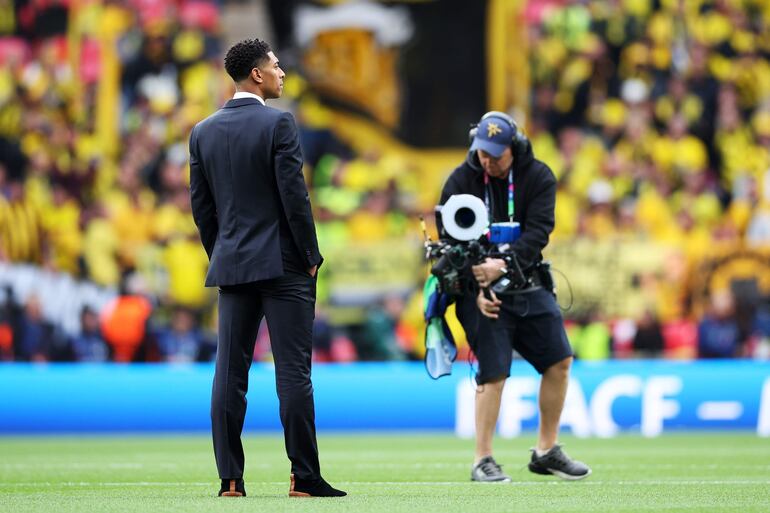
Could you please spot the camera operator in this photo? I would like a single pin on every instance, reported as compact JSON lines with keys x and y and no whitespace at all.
{"x":502,"y":170}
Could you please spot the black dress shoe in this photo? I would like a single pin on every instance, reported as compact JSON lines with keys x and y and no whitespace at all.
{"x":318,"y":488}
{"x":232,"y":488}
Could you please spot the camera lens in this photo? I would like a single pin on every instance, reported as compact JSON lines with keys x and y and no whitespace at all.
{"x":464,"y":217}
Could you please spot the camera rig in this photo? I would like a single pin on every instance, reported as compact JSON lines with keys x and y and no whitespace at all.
{"x":453,"y":260}
{"x":468,"y":242}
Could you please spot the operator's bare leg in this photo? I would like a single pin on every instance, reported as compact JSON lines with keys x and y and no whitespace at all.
{"x":553,"y":390}
{"x":487,"y":410}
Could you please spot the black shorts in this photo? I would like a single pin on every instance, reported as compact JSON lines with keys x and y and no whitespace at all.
{"x":529,"y":322}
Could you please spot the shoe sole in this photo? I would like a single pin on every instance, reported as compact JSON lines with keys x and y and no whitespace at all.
{"x":503,"y":480}
{"x":545,"y":471}
{"x":569,"y":477}
{"x":562,"y":475}
{"x":299,"y":494}
{"x":231,"y":494}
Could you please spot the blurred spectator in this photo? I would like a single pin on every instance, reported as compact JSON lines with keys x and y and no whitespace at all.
{"x":61,"y":222}
{"x":591,"y":338}
{"x":329,"y":342}
{"x":33,"y":336}
{"x":187,"y":264}
{"x":648,"y":341}
{"x":6,"y":342}
{"x":39,"y":340}
{"x":89,"y":345}
{"x":20,"y":237}
{"x":9,"y":324}
{"x":622,"y":333}
{"x":152,"y":67}
{"x":182,"y":341}
{"x":718,"y":332}
{"x":680,"y":339}
{"x":124,"y":321}
{"x":42,"y":19}
{"x":13,"y":161}
{"x":381,"y":339}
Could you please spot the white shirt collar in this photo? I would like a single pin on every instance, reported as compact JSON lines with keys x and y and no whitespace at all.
{"x":244,"y":94}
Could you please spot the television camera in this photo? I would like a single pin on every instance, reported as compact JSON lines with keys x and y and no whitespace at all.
{"x":468,"y":239}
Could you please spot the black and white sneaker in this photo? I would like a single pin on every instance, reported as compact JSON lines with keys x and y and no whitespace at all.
{"x":556,"y":462}
{"x":488,"y":471}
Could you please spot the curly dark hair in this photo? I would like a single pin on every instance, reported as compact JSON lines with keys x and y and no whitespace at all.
{"x":244,"y":56}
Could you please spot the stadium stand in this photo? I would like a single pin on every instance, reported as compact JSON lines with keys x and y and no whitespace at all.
{"x":654,"y":115}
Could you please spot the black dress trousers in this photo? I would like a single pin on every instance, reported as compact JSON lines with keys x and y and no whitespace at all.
{"x":288,"y":305}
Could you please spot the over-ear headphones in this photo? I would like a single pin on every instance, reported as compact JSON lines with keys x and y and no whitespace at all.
{"x":519,"y":141}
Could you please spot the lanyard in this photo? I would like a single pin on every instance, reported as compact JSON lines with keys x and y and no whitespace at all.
{"x":510,"y":196}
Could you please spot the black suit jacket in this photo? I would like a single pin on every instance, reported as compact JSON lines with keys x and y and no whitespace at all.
{"x":248,"y":194}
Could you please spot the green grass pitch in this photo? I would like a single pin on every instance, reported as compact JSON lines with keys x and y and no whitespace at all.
{"x":388,"y":473}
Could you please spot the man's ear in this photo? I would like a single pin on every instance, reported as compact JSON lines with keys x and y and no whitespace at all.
{"x":256,"y":75}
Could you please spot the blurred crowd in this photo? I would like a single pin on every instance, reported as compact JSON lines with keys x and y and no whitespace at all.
{"x":96,"y":103}
{"x":654,"y":115}
{"x":97,"y":99}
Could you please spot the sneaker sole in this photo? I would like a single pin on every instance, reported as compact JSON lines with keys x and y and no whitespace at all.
{"x":504,"y":480}
{"x":569,"y":477}
{"x":548,"y":472}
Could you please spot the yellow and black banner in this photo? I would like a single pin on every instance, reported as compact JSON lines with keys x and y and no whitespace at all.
{"x":420,"y":70}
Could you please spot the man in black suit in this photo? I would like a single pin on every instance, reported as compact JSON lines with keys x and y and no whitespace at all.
{"x":252,"y":209}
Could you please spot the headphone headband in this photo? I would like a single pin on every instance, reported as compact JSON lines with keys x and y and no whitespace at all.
{"x":501,"y":115}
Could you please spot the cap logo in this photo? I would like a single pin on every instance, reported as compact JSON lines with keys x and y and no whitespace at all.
{"x":493,"y":129}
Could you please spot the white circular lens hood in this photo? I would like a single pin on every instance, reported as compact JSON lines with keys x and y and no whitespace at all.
{"x":449,"y":212}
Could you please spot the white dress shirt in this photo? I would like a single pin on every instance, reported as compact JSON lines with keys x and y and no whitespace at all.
{"x":244,"y":94}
